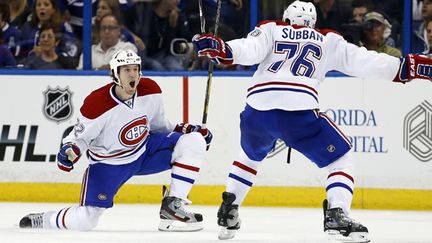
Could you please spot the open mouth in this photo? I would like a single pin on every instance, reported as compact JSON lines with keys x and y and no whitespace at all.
{"x":132,"y":84}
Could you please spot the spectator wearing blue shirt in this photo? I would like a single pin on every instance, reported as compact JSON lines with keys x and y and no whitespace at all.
{"x":6,"y":57}
{"x":11,"y":35}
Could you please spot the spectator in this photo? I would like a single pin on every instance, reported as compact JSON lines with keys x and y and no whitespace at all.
{"x":360,"y":8}
{"x":428,"y":25}
{"x":331,"y":13}
{"x":46,"y":11}
{"x":393,"y":11}
{"x":232,"y":15}
{"x":73,"y":13}
{"x":157,"y":24}
{"x":110,"y":43}
{"x":46,"y":57}
{"x":6,"y":57}
{"x":376,"y":30}
{"x":419,"y":40}
{"x":106,"y":7}
{"x":11,"y":35}
{"x":19,"y":12}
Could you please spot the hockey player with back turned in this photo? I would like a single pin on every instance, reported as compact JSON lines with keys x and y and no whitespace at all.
{"x":282,"y":103}
{"x":124,"y":132}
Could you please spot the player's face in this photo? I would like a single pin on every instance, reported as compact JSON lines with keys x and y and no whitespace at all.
{"x":44,"y":10}
{"x":129,"y":78}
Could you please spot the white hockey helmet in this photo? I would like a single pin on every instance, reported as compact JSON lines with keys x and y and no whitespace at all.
{"x":121,"y":58}
{"x":300,"y":13}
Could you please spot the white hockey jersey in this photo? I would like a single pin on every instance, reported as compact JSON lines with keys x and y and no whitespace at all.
{"x":293,"y":60}
{"x":115,"y":132}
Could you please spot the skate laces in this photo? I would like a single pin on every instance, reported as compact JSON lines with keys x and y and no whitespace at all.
{"x":36,"y":220}
{"x":178,"y":206}
{"x":339,"y":215}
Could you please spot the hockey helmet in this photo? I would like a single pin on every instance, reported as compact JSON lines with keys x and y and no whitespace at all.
{"x":300,"y":13}
{"x":121,"y":58}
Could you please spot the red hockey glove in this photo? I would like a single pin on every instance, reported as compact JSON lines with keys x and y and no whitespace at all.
{"x":214,"y":48}
{"x":414,"y":66}
{"x":188,"y":128}
{"x":68,"y":155}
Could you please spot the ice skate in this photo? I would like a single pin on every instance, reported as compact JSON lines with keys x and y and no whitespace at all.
{"x":32,"y":221}
{"x":228,"y":217}
{"x":175,"y":218}
{"x":340,"y":228}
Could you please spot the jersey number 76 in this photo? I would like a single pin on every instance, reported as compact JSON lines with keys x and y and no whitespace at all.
{"x":302,"y":55}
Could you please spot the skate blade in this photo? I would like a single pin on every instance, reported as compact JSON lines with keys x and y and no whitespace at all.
{"x":226,"y":234}
{"x":334,"y":236}
{"x":178,"y":226}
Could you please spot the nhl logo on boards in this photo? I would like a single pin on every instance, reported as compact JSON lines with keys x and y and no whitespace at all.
{"x":57,"y":105}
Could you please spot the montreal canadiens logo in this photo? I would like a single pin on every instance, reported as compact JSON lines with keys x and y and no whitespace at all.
{"x":134,"y":132}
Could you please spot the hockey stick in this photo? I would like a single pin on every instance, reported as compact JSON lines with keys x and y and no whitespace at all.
{"x":210,"y":70}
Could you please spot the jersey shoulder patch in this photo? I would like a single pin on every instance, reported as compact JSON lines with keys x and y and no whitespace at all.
{"x":98,"y":102}
{"x":148,"y":86}
{"x":277,"y":22}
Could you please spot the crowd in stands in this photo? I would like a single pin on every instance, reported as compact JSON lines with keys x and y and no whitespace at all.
{"x":47,"y":34}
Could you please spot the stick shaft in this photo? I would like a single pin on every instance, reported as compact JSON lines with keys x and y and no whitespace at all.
{"x":210,"y":70}
{"x":201,"y":15}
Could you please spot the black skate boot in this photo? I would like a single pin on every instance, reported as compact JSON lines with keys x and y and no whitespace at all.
{"x":341,"y":228}
{"x":175,"y":218}
{"x":32,"y":221}
{"x":228,"y":217}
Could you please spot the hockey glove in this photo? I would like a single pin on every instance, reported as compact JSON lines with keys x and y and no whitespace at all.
{"x":214,"y":48}
{"x":414,"y":66}
{"x":67,"y":156}
{"x":188,"y":128}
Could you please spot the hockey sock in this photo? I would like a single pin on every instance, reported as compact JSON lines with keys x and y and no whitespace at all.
{"x":241,"y":177}
{"x":188,"y":155}
{"x":82,"y":218}
{"x":340,"y":183}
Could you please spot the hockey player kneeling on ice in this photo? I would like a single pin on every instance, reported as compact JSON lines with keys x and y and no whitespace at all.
{"x":282,"y":103}
{"x":124,"y":132}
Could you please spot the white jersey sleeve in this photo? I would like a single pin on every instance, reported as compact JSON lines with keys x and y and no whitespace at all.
{"x":358,"y":61}
{"x":84,"y":131}
{"x":253,"y":49}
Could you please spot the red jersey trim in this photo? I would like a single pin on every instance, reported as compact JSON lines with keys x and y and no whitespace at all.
{"x":326,"y":31}
{"x":277,"y":22}
{"x":98,"y":102}
{"x":148,"y":86}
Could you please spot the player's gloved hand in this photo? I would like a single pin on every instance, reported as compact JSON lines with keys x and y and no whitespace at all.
{"x":213,"y":47}
{"x":414,"y":66}
{"x":67,"y":156}
{"x":188,"y":128}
